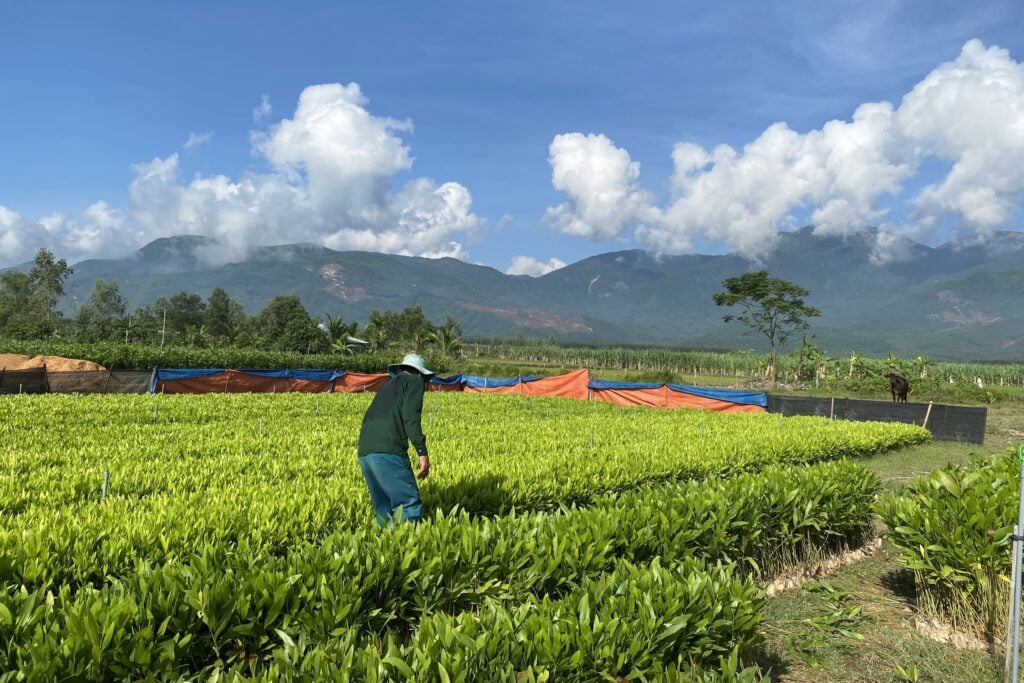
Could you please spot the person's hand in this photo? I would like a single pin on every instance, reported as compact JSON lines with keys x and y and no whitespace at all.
{"x":424,"y":467}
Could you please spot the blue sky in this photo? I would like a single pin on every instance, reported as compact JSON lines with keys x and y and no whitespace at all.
{"x":94,"y":94}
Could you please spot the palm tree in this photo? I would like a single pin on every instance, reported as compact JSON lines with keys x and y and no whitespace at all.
{"x":447,"y":342}
{"x":376,"y":336}
{"x":343,"y":346}
{"x":335,"y":328}
{"x":420,"y":341}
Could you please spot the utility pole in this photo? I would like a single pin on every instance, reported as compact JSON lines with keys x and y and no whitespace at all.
{"x":163,"y":332}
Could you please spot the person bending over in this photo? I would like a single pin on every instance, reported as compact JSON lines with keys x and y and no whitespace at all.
{"x":390,"y":423}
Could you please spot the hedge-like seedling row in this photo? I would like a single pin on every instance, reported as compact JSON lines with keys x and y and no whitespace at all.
{"x":643,"y":623}
{"x":192,"y":471}
{"x":638,"y":624}
{"x":226,"y":606}
{"x":953,"y":529}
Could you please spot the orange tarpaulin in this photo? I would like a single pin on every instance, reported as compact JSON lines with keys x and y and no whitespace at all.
{"x":679,"y":399}
{"x":570,"y":385}
{"x":235,"y":382}
{"x":651,"y":398}
{"x":355,"y":382}
{"x":663,"y":397}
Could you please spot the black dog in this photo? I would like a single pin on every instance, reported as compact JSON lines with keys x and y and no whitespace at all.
{"x":900,"y":386}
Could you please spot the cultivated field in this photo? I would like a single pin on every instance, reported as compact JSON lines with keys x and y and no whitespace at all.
{"x":568,"y":540}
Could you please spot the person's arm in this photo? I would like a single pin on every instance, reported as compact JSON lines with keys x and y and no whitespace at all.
{"x":412,"y":414}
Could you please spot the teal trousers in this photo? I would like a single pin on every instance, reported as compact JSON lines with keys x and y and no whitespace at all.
{"x":392,"y":486}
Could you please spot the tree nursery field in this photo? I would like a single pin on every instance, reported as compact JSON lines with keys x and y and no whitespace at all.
{"x":231,"y":536}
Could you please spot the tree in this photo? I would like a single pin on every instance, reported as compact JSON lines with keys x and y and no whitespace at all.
{"x":336,"y":329}
{"x":16,"y":319}
{"x":285,"y":325}
{"x":771,"y":306}
{"x":48,"y":277}
{"x":28,"y":301}
{"x":185,"y":312}
{"x":810,"y":359}
{"x":410,"y":327}
{"x":147,"y":323}
{"x":103,"y":316}
{"x":224,"y":316}
{"x":343,"y":346}
{"x":447,"y":338}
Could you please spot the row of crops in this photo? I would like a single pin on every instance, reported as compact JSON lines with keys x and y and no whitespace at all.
{"x":568,"y":540}
{"x":745,"y":363}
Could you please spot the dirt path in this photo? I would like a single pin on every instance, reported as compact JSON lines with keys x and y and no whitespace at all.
{"x":858,"y":625}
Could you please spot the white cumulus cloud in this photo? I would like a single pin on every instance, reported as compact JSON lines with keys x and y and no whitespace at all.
{"x":527,"y":265}
{"x":601,"y":182}
{"x":967,"y":113}
{"x":970,"y":113}
{"x":329,"y":182}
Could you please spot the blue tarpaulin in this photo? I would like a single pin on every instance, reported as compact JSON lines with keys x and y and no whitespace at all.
{"x":167,"y":375}
{"x":752,"y":398}
{"x":612,"y":384}
{"x":318,"y":375}
{"x":731,"y":395}
{"x":478,"y":382}
{"x":160,"y":375}
{"x":454,"y":379}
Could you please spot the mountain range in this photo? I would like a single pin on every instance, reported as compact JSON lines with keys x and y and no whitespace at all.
{"x":953,"y":301}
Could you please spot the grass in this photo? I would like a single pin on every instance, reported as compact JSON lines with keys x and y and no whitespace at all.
{"x":910,"y":463}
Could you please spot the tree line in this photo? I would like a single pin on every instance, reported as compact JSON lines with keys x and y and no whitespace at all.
{"x":29,"y":311}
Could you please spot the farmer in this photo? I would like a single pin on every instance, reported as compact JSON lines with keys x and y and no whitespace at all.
{"x":390,"y":423}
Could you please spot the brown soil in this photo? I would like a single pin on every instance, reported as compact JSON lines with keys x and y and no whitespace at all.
{"x":15,"y":361}
{"x":12,"y":361}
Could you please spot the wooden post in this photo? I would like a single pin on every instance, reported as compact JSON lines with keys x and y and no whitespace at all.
{"x":927,"y":414}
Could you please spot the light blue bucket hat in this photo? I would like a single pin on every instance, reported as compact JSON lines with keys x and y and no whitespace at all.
{"x":412,"y":360}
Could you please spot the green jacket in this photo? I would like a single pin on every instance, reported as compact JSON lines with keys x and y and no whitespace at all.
{"x":393,"y":418}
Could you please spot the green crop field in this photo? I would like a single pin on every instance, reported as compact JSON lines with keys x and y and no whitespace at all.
{"x":567,"y":540}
